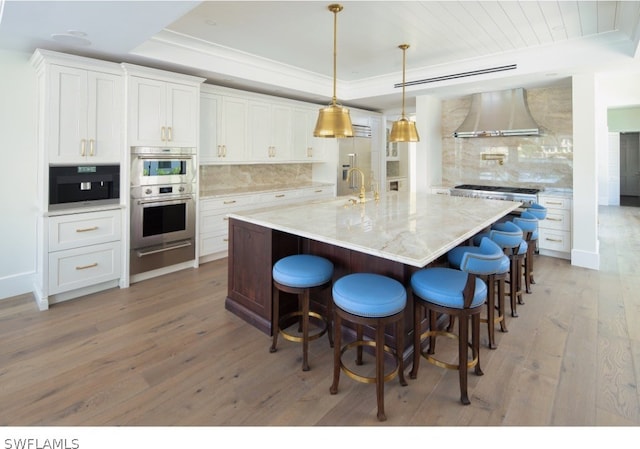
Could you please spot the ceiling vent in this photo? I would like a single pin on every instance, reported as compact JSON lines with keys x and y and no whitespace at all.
{"x":459,"y":75}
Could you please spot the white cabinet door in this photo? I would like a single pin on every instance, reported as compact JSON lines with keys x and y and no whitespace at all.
{"x":305,"y":147}
{"x":232,"y":135}
{"x":105,"y":121}
{"x":147,"y":100}
{"x":86,"y":116}
{"x":209,"y":125}
{"x":271,"y":131}
{"x":162,"y":114}
{"x":182,"y":115}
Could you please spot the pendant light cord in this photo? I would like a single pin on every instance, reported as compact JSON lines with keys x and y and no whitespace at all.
{"x":404,"y":61}
{"x":336,"y":9}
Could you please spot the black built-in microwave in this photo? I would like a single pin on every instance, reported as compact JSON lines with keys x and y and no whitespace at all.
{"x":83,"y":183}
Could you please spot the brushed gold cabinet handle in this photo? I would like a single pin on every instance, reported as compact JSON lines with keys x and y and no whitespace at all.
{"x":162,"y":137}
{"x":170,"y":133}
{"x":554,"y":219}
{"x":83,"y":147}
{"x":225,"y":240}
{"x":224,"y":151}
{"x":225,"y":218}
{"x":84,"y":267}
{"x":93,"y":228}
{"x":91,"y":145}
{"x":319,"y":191}
{"x":229,"y":202}
{"x":553,"y":240}
{"x":280,"y":196}
{"x":555,"y":203}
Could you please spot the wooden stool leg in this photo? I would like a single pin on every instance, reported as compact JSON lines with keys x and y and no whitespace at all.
{"x":275,"y":320}
{"x":359,"y":348}
{"x":400,"y":350}
{"x":417,"y":348}
{"x":380,"y":371}
{"x":513,"y":285}
{"x":502,"y":308}
{"x":330,"y":321}
{"x":305,"y":330}
{"x":491,"y":304}
{"x":475,"y":341}
{"x":463,"y":344}
{"x":337,"y":343}
{"x":520,"y":275}
{"x":431,"y":316}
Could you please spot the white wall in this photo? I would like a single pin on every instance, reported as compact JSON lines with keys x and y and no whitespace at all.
{"x":18,"y":131}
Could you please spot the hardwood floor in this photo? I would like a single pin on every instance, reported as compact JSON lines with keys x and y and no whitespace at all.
{"x":165,"y":352}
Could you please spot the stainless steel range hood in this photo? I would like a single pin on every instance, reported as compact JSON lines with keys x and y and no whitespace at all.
{"x":497,"y":114}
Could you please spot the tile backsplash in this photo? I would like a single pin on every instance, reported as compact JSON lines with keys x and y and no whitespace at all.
{"x":536,"y":161}
{"x":221,"y":178}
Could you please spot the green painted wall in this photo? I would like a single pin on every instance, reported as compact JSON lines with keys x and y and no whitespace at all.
{"x":623,"y":119}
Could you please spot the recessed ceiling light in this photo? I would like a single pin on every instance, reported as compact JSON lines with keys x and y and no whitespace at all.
{"x":72,"y":37}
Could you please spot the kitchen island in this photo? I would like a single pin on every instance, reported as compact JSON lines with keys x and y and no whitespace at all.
{"x":393,"y":236}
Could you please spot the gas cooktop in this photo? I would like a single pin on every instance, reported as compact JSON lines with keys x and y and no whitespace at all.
{"x":499,"y":189}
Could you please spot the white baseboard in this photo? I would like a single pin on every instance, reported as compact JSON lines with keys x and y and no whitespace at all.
{"x":17,"y":284}
{"x":585,"y":259}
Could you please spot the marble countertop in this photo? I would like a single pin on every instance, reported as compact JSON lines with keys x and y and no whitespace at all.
{"x":411,"y":228}
{"x":244,"y":190}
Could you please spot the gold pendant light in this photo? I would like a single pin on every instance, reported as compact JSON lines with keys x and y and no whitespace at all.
{"x":334,"y":120}
{"x":403,"y":130}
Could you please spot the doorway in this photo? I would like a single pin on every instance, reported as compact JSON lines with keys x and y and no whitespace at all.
{"x":630,"y":169}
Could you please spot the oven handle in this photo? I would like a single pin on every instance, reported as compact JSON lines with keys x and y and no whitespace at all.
{"x":141,"y":253}
{"x":163,"y":156}
{"x":168,"y":200}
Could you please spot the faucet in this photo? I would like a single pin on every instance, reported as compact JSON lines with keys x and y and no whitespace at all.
{"x":362,"y":190}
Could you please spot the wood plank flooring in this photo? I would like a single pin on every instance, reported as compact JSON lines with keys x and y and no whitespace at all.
{"x":165,"y":352}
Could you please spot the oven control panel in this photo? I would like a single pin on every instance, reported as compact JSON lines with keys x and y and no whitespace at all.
{"x":161,"y":190}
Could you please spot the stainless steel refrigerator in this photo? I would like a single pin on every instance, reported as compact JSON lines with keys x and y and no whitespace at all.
{"x":354,"y":152}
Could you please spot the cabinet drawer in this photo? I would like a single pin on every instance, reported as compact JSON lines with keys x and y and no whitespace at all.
{"x":82,"y":267}
{"x":554,"y":202}
{"x":213,"y":243}
{"x":226,"y":203}
{"x":554,"y":240}
{"x":558,"y":219}
{"x":281,"y":197}
{"x":213,"y":221}
{"x":316,"y":193}
{"x":73,"y":231}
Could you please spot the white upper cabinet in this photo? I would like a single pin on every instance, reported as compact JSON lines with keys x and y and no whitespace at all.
{"x":162,"y":113}
{"x":305,"y":147}
{"x":223,"y":128}
{"x":271,"y":131}
{"x":85,"y":123}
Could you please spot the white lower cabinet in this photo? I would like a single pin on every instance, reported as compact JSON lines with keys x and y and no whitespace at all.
{"x":555,"y":230}
{"x":84,"y":249}
{"x":214,"y":222}
{"x":83,"y":267}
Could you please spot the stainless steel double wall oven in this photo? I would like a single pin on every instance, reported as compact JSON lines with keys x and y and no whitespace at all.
{"x":163,"y":207}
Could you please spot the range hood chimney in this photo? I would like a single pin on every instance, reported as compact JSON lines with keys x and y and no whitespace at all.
{"x":498,"y":114}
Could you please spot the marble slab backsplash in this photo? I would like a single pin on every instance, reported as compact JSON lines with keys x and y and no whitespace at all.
{"x":216,"y":179}
{"x":527,"y":161}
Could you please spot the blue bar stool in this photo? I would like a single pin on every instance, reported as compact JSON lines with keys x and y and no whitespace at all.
{"x":298,"y":274}
{"x":367,"y":299}
{"x":511,"y":239}
{"x":528,"y":222}
{"x":495,"y":284}
{"x":458,"y":293}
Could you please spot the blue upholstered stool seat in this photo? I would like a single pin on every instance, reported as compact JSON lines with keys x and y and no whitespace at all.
{"x":369,"y":295}
{"x":302,"y":271}
{"x":537,"y":210}
{"x":444,"y":286}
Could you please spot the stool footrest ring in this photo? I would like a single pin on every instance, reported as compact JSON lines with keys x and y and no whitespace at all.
{"x":364,"y":379}
{"x":431,"y":359}
{"x":291,"y":337}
